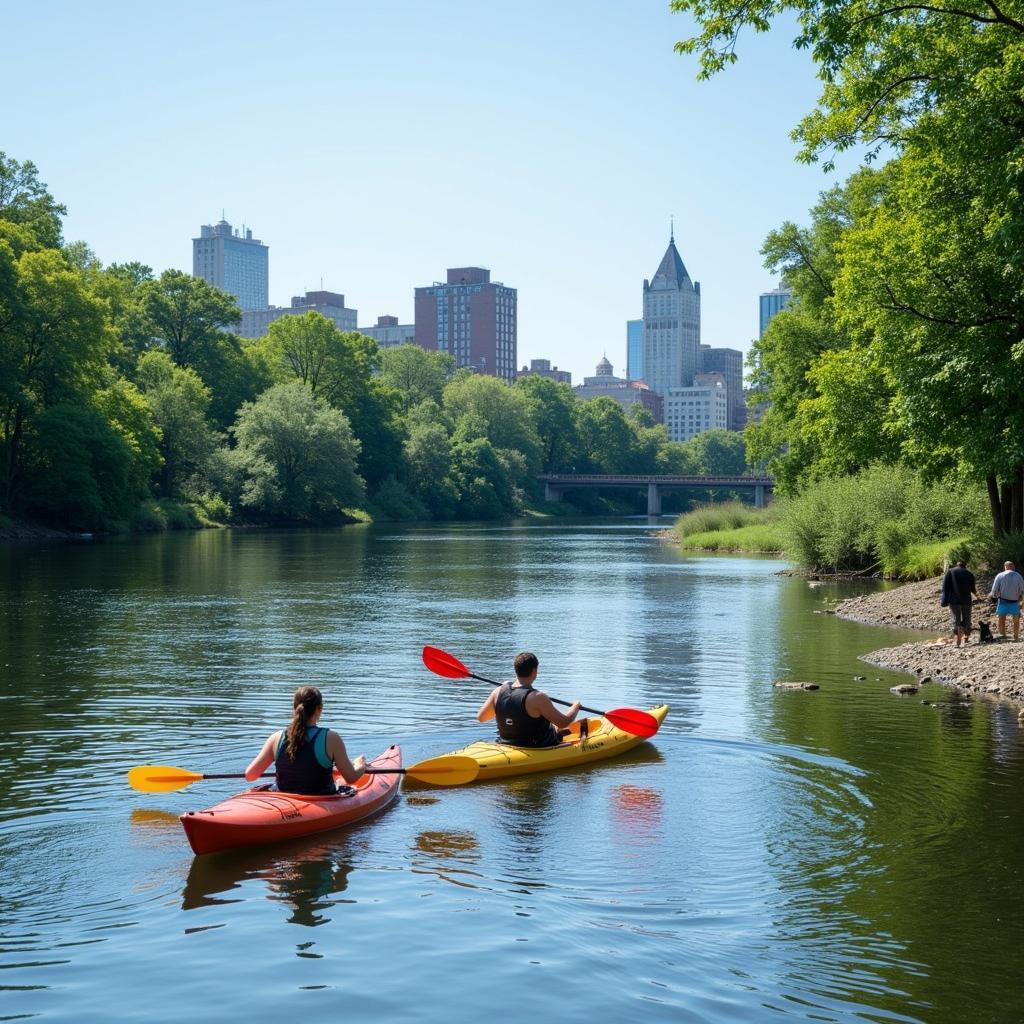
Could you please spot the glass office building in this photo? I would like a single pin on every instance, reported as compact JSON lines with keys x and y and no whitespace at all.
{"x":634,"y":350}
{"x":774,"y":302}
{"x":234,"y":262}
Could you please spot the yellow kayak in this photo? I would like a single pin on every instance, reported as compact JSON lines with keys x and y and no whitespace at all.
{"x":601,"y":740}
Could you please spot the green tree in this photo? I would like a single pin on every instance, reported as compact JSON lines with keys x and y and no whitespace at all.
{"x":179,"y":402}
{"x":128,"y":412}
{"x":550,"y":406}
{"x":416,"y":374}
{"x":26,"y":202}
{"x":341,"y":368}
{"x":188,"y":315}
{"x":502,"y":413}
{"x":297,"y":454}
{"x":82,"y":472}
{"x":54,"y":341}
{"x":606,"y":439}
{"x":428,"y":458}
{"x":311,"y":349}
{"x":121,"y":285}
{"x":718,"y":453}
{"x":481,"y":481}
{"x":940,"y":87}
{"x":931,"y":277}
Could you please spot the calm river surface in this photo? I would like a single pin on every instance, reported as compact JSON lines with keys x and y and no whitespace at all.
{"x":770,"y":856}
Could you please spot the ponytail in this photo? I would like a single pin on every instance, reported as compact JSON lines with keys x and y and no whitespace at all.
{"x":305,"y":703}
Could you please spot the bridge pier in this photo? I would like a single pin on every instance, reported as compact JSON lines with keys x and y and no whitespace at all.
{"x":552,"y":493}
{"x":759,"y":496}
{"x":653,"y":500}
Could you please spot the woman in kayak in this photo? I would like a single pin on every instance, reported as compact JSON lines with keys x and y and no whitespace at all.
{"x":305,"y":755}
{"x":525,"y":717}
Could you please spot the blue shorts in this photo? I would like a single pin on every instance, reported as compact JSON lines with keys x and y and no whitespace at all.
{"x":1008,"y":607}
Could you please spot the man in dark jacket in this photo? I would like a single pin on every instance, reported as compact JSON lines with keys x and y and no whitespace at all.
{"x":958,"y":589}
{"x":525,"y":717}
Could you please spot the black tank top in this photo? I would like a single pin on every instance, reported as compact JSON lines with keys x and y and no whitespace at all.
{"x":311,"y":773}
{"x":515,"y":725}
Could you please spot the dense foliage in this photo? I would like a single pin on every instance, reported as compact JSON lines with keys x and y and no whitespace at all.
{"x":905,"y":340}
{"x":126,"y":399}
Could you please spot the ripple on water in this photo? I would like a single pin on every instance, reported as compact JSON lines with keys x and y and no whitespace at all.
{"x":761,"y":860}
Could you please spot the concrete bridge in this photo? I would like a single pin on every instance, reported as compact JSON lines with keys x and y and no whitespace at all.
{"x":556,"y":484}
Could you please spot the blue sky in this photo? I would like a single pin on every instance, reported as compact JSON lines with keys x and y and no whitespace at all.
{"x":375,"y":145}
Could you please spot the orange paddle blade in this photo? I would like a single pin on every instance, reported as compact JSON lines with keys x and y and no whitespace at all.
{"x":161,"y":778}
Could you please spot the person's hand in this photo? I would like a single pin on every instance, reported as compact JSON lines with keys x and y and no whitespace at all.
{"x":360,"y":764}
{"x":575,"y":709}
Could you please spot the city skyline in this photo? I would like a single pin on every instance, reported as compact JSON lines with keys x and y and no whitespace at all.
{"x":532,"y":148}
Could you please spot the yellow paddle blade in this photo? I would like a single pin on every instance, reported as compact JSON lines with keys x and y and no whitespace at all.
{"x":161,"y":778}
{"x":449,"y":770}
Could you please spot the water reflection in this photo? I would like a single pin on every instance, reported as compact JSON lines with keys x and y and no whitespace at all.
{"x":308,"y":878}
{"x":445,"y":854}
{"x":639,"y":810}
{"x":843,"y":856}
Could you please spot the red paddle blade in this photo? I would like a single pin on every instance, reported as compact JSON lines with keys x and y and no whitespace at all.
{"x":443,"y":664}
{"x":637,"y":723}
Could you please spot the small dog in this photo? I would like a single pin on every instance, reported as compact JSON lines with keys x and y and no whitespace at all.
{"x":985,"y":633}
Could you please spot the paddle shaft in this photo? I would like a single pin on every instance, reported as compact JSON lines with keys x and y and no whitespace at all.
{"x":554,"y":700}
{"x":272,"y":775}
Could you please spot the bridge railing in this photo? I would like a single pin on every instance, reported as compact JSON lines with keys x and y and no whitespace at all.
{"x":640,"y":479}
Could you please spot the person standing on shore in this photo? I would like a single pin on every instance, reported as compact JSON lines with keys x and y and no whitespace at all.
{"x":958,"y":589}
{"x":1008,"y":589}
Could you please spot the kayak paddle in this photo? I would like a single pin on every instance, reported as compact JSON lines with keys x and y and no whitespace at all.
{"x":454,"y":770}
{"x":636,"y":723}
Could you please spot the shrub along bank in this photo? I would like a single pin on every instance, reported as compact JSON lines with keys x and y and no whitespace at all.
{"x":882,"y":520}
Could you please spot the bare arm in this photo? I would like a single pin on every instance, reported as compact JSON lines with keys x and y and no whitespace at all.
{"x":486,"y":712}
{"x":263,"y":759}
{"x":351,"y":771}
{"x":541,"y":707}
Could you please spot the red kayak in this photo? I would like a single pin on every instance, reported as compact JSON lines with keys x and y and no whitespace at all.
{"x":262,"y":815}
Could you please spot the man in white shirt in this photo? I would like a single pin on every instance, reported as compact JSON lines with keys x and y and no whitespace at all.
{"x":1008,"y":589}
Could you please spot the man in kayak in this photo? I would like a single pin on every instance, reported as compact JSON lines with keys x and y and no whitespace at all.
{"x":305,"y":755}
{"x":525,"y":717}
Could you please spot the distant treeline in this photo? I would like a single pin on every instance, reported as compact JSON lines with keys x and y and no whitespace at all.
{"x":126,"y":402}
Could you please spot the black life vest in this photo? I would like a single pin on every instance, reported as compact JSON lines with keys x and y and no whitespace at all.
{"x":515,"y":724}
{"x":312,"y":771}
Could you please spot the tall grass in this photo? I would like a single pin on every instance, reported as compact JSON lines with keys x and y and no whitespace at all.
{"x":883,"y":519}
{"x":764,"y":538}
{"x":730,"y":526}
{"x":729,"y":515}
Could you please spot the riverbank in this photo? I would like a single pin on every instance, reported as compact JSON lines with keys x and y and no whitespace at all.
{"x":13,"y":530}
{"x":987,"y":670}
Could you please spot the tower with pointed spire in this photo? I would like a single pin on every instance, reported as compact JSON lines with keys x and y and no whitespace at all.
{"x":671,"y":324}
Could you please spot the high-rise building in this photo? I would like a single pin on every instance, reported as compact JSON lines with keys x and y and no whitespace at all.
{"x":389,"y":332}
{"x":329,"y":304}
{"x":604,"y":384}
{"x":236,"y":263}
{"x":543,"y":368}
{"x":703,"y":406}
{"x":671,"y":324}
{"x":473,"y":318}
{"x":634,"y":350}
{"x":729,"y":363}
{"x":774,"y":302}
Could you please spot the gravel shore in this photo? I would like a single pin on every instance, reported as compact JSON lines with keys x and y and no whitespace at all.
{"x":989,"y":670}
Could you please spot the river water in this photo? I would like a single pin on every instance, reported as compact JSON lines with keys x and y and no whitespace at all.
{"x":835,"y":855}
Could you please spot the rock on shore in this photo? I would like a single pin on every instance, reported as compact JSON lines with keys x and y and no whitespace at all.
{"x":991,"y":670}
